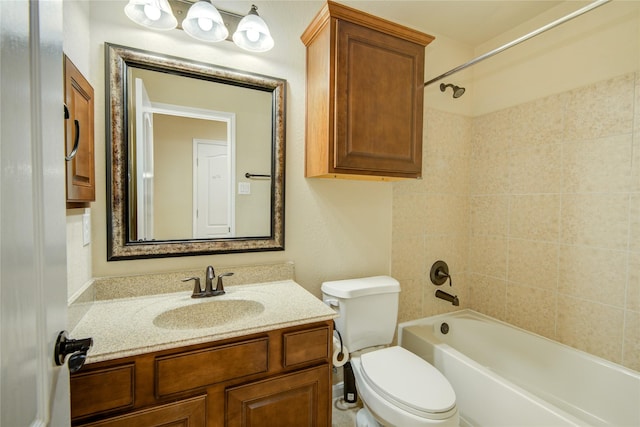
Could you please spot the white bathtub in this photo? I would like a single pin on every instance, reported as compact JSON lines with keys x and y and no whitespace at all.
{"x":506,"y":376}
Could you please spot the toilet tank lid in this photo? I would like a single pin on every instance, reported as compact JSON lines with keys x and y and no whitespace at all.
{"x":352,"y":288}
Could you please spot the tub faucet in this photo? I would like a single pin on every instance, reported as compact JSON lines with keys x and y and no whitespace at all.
{"x":453,"y":299}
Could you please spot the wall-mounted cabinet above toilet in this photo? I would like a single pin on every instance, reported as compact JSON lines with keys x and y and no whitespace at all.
{"x":364,"y":96}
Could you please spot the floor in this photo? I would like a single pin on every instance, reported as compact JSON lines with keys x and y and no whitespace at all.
{"x":344,"y":415}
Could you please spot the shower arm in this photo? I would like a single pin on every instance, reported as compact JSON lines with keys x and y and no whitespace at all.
{"x":526,"y":37}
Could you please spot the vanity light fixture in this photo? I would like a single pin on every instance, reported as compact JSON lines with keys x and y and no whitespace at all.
{"x":203,"y":22}
{"x":155,"y":14}
{"x":252,"y":33}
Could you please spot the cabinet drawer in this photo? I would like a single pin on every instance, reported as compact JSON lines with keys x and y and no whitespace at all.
{"x":188,"y":371}
{"x":306,"y":346}
{"x":185,"y":413}
{"x":102,"y":390}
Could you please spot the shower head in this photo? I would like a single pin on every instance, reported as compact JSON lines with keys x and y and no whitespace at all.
{"x":457,"y":90}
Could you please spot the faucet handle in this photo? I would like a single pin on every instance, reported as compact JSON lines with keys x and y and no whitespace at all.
{"x":219,"y":286}
{"x":197,"y":290}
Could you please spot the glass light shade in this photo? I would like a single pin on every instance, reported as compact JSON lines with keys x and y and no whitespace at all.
{"x":252,"y":33}
{"x":156,"y":14}
{"x":203,"y":22}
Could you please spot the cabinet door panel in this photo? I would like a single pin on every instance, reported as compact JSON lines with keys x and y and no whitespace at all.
{"x":300,"y":399}
{"x":185,"y":413}
{"x":379,"y":98}
{"x":102,"y":390}
{"x":79,"y":144}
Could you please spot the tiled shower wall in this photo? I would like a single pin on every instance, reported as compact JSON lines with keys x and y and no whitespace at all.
{"x":536,"y":208}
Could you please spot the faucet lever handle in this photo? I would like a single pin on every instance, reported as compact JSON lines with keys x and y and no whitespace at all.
{"x":197,"y":290}
{"x":219,"y":285}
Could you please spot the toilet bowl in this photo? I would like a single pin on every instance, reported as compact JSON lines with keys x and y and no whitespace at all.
{"x":397,"y":388}
{"x":400,"y":389}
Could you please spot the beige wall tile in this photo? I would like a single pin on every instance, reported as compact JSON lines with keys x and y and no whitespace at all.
{"x":409,"y":213}
{"x":594,"y":274}
{"x":636,"y":120}
{"x":489,"y":173}
{"x":633,"y":283}
{"x":492,"y":132}
{"x":535,"y":216}
{"x":635,"y":168}
{"x":488,"y":256}
{"x":487,"y":295}
{"x":445,"y":173}
{"x":407,"y":256}
{"x":533,"y":309}
{"x":533,"y":263}
{"x":446,"y":213}
{"x":601,"y":109}
{"x":539,"y":122}
{"x":631,"y":353}
{"x":592,"y":327}
{"x":489,"y":215}
{"x":595,"y":220}
{"x":634,"y":222}
{"x":410,"y":300}
{"x":600,"y":165}
{"x":536,"y":169}
{"x":447,"y":133}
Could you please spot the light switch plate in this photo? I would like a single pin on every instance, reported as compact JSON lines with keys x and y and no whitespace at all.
{"x":244,"y":188}
{"x":86,"y":229}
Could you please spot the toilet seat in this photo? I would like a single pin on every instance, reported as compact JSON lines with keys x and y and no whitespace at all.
{"x":408,"y":382}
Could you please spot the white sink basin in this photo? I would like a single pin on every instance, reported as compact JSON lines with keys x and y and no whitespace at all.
{"x":208,"y":314}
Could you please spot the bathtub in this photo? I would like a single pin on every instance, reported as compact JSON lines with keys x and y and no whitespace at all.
{"x":506,"y":376}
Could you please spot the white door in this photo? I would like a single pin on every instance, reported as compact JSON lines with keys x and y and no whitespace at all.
{"x":213,"y":195}
{"x":144,"y":162}
{"x":33,"y":292}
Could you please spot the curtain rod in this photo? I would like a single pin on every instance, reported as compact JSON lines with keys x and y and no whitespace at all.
{"x":532,"y":34}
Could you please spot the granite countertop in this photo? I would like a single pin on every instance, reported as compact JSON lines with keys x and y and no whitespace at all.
{"x":125,"y":327}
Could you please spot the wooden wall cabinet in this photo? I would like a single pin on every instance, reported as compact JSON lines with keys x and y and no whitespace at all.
{"x":280,"y":378}
{"x":365,"y":87}
{"x":79,"y":144}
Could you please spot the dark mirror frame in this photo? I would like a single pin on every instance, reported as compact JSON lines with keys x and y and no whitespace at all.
{"x":117,"y":61}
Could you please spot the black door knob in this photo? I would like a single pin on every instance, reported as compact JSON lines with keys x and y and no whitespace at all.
{"x":76,"y":349}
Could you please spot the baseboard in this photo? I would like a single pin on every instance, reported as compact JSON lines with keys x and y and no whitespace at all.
{"x":338,"y":390}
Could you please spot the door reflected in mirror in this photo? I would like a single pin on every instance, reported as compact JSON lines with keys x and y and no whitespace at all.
{"x":197,"y":157}
{"x":192,"y":144}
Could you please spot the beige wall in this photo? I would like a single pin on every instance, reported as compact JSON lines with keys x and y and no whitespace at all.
{"x":487,"y":190}
{"x":533,"y":198}
{"x":333,"y":229}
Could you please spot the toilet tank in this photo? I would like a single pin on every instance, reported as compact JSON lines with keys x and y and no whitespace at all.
{"x":367,"y":309}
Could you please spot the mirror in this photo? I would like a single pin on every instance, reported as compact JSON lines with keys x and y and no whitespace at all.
{"x":195,"y":157}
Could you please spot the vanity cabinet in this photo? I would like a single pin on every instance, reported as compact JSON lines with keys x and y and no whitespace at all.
{"x":79,"y":144}
{"x":276,"y":378}
{"x":365,"y":86}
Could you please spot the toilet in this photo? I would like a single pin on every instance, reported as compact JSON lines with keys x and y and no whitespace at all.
{"x":397,"y":388}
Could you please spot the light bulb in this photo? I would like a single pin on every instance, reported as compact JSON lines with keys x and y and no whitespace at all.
{"x":205,"y":24}
{"x":253,"y":35}
{"x":152,"y":12}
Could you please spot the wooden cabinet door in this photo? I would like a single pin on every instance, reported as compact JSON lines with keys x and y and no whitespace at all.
{"x":79,"y":145}
{"x":301,"y":399}
{"x":184,"y":413}
{"x":379,"y":102}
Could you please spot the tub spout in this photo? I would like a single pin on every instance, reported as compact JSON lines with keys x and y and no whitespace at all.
{"x":453,"y":299}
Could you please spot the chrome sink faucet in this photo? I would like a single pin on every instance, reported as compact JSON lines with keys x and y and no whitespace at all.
{"x":208,"y":284}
